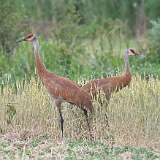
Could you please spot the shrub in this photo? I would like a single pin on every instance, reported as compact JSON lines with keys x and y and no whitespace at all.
{"x":10,"y":17}
{"x":154,"y":41}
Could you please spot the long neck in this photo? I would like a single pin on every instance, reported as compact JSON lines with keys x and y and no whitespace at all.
{"x":126,"y":61}
{"x":38,"y":60}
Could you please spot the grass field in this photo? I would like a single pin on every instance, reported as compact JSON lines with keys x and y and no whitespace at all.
{"x":29,"y":124}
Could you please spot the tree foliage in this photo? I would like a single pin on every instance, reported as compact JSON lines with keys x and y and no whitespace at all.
{"x":72,"y":25}
{"x":10,"y":18}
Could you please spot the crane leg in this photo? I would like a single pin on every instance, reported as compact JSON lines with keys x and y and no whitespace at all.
{"x":87,"y":119}
{"x":58,"y":104}
{"x":108,"y":96}
{"x":61,"y":120}
{"x":107,"y":123}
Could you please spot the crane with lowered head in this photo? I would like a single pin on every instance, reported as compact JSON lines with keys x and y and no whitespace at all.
{"x":60,"y":88}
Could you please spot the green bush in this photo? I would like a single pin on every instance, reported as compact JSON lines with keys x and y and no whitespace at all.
{"x":10,"y":16}
{"x":154,"y":41}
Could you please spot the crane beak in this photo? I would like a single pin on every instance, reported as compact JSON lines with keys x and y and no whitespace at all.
{"x":137,"y":53}
{"x":20,"y":40}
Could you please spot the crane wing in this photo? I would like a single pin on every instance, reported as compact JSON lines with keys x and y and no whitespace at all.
{"x":63,"y":87}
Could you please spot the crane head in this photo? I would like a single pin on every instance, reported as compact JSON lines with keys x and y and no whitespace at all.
{"x":132,"y":52}
{"x":30,"y":37}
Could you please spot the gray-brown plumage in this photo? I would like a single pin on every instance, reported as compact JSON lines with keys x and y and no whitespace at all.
{"x":61,"y":89}
{"x":111,"y":84}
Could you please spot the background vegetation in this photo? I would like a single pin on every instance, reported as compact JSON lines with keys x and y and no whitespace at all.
{"x":80,"y":39}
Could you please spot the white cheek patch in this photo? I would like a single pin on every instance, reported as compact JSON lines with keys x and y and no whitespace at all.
{"x":131,"y":53}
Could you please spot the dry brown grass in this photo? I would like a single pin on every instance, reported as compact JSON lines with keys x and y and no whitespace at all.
{"x":134,"y":115}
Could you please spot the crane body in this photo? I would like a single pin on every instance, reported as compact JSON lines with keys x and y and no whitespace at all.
{"x":60,"y":88}
{"x":111,"y":84}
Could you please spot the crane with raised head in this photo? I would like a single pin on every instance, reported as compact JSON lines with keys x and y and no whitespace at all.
{"x":111,"y":84}
{"x":115,"y":83}
{"x":60,"y":88}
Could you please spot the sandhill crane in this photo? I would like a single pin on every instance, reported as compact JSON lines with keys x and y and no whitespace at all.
{"x":111,"y":84}
{"x":61,"y":89}
{"x":115,"y":83}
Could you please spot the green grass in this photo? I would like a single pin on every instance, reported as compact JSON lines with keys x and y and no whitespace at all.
{"x":85,"y":58}
{"x":13,"y":146}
